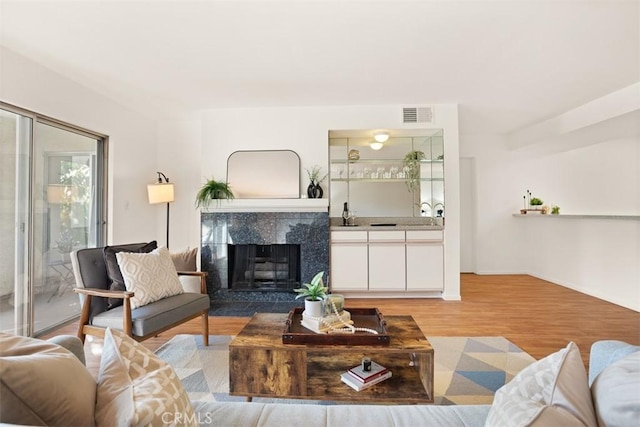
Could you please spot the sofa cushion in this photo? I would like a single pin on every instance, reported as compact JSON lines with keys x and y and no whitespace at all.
{"x":151,"y":276}
{"x":113,"y":269}
{"x":137,"y":388}
{"x":551,"y":391}
{"x":616,"y":392}
{"x":43,"y":384}
{"x":185,"y":260}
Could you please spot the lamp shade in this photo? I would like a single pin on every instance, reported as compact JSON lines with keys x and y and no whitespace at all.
{"x":160,"y":193}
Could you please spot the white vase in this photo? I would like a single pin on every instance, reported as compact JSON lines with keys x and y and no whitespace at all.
{"x":313,"y":308}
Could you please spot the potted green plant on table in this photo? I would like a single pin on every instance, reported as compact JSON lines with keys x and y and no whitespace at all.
{"x":213,"y":190}
{"x":314,"y":294}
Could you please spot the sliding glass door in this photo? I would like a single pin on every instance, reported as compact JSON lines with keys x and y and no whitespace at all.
{"x":58,"y":208}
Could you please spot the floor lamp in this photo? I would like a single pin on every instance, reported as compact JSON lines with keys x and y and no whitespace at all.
{"x":161,"y":192}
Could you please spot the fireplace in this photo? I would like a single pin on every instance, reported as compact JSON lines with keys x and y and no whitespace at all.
{"x":232,"y":241}
{"x":274,"y":267}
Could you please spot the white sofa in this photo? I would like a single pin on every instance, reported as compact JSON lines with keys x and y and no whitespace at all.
{"x":612,"y":394}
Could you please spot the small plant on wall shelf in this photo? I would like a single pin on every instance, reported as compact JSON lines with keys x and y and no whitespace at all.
{"x":213,"y":190}
{"x":412,"y":169}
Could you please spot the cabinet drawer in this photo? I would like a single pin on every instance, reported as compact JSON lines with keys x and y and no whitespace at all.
{"x":386,"y":236}
{"x":424,"y":235}
{"x":349,"y":236}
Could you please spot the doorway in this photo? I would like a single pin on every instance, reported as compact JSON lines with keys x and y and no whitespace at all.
{"x":52,"y":204}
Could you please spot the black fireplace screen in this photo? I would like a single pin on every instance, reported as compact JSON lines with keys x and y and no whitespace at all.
{"x":264,"y":267}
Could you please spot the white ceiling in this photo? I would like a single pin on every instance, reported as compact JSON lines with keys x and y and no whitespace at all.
{"x":508,"y":64}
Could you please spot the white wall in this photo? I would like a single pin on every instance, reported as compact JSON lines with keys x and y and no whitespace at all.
{"x":600,"y":257}
{"x":304,"y":130}
{"x":132,"y":138}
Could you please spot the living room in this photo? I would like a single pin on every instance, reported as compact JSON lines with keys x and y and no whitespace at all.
{"x":552,"y":107}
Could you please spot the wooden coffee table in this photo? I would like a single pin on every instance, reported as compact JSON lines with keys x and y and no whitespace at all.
{"x":261,"y":365}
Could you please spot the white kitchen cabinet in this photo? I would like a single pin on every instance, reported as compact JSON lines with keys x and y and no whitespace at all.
{"x":349,"y":261}
{"x":396,"y":262}
{"x":386,"y":267}
{"x":425,"y":267}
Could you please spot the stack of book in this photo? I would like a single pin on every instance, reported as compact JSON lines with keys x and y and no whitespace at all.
{"x":359,"y":379}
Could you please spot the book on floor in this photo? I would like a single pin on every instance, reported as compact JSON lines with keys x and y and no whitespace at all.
{"x":352,"y":381}
{"x":376,"y":371}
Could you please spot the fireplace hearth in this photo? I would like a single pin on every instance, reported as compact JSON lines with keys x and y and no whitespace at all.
{"x":262,"y":256}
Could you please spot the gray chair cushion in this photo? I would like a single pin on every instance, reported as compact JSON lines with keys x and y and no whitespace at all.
{"x":157,"y":315}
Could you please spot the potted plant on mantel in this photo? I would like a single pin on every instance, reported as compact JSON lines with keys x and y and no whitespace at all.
{"x":213,"y":190}
{"x":314,"y":294}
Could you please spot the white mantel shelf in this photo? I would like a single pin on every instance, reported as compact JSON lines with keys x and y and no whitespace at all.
{"x":579,"y":216}
{"x":268,"y":205}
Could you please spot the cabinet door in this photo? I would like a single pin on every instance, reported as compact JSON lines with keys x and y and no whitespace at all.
{"x":349,"y":267}
{"x":386,"y":267}
{"x":425,"y":267}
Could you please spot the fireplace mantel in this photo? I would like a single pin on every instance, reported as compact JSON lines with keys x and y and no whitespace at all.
{"x":268,"y":205}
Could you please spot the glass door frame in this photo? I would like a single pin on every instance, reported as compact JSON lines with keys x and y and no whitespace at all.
{"x":101,"y":195}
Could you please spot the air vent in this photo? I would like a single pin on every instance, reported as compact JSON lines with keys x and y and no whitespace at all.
{"x":417,"y":115}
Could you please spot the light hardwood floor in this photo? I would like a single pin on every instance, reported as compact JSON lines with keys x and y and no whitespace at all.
{"x":538,"y":316}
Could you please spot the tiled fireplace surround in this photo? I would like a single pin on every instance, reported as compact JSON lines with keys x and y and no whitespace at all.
{"x":308,"y":229}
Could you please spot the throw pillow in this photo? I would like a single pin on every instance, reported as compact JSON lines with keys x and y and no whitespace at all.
{"x":151,"y":276}
{"x":137,"y":388}
{"x":551,"y":391}
{"x":186,"y":260}
{"x":116,"y":282}
{"x":616,"y":392}
{"x":43,"y":384}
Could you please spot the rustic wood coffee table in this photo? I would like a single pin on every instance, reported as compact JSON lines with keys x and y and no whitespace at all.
{"x":261,"y":365}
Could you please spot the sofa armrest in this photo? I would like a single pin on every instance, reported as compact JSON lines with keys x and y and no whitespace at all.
{"x":71,"y":343}
{"x":604,"y":353}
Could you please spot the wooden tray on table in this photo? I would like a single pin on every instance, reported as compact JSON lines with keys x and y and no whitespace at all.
{"x":371,"y":318}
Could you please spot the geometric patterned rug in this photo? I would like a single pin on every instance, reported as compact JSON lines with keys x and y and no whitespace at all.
{"x":467,"y":370}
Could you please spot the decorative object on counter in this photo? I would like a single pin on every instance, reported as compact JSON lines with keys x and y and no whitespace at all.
{"x":213,"y":190}
{"x":345,"y":214}
{"x":555,"y":210}
{"x":314,"y":190}
{"x":412,"y":169}
{"x":314,"y":294}
{"x":354,"y":154}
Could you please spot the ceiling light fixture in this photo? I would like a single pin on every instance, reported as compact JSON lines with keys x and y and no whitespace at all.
{"x":376,"y":145}
{"x":381,"y":137}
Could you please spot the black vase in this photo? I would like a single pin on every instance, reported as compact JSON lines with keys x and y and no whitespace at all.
{"x":314,"y":191}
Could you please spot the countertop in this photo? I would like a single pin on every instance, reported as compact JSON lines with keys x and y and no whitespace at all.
{"x":369,"y":227}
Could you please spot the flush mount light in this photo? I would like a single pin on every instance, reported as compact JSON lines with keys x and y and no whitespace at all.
{"x":376,"y":145}
{"x":380,"y":137}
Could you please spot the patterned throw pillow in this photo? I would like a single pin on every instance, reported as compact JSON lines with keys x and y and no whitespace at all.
{"x":135,"y":388}
{"x":151,"y":276}
{"x":551,"y":391}
{"x":116,"y":282}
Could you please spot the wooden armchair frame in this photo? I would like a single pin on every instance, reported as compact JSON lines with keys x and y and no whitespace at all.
{"x":84,"y":328}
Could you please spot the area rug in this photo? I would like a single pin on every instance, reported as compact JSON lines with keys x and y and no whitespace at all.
{"x":468,"y":370}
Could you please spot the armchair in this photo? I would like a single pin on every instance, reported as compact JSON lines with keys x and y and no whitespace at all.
{"x":92,"y":283}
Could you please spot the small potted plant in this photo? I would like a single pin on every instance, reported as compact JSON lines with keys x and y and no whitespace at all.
{"x":536,"y":203}
{"x":213,"y":190}
{"x":314,"y":294}
{"x":555,"y":210}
